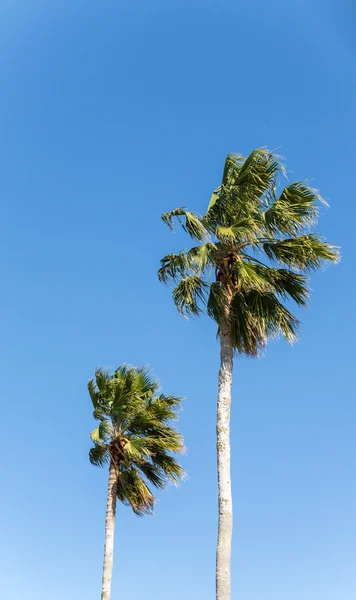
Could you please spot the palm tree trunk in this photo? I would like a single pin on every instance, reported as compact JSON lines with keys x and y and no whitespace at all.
{"x":109,"y":533}
{"x":223,"y":553}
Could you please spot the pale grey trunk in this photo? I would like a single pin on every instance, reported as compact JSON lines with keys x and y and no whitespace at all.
{"x":223,"y":553}
{"x":109,"y":534}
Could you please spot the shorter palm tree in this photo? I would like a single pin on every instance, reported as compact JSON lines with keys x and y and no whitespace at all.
{"x":136,"y":439}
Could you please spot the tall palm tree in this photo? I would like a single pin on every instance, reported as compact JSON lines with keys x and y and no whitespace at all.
{"x":136,"y":439}
{"x":255,"y":252}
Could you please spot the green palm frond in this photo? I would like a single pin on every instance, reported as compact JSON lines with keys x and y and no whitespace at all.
{"x":170,"y":441}
{"x":127,"y":392}
{"x":200,"y":257}
{"x":189,"y":294}
{"x":227,"y":235}
{"x":218,"y":303}
{"x":255,"y":180}
{"x":133,"y":491}
{"x":164,"y":408}
{"x":147,"y":384}
{"x":289,"y":284}
{"x":245,"y":331}
{"x":137,"y":449}
{"x":96,"y":395}
{"x":196,"y":260}
{"x":245,"y":231}
{"x":306,"y":252}
{"x":246,"y":188}
{"x":140,"y":448}
{"x":259,"y":171}
{"x":191,"y":225}
{"x":295,"y":210}
{"x":214,"y":198}
{"x":102,"y":433}
{"x":173,"y":402}
{"x":174,"y":266}
{"x":153,"y":474}
{"x":257,"y":317}
{"x":93,"y":392}
{"x":101,"y":379}
{"x":273,"y":318}
{"x":232,"y":167}
{"x":122,"y":372}
{"x":282,"y":282}
{"x":98,"y":455}
{"x":168,"y":466}
{"x":251,"y":276}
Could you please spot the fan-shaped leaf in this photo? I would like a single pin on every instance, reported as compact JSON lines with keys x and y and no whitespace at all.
{"x":190,"y":294}
{"x":306,"y":252}
{"x":99,"y":456}
{"x":192,"y":224}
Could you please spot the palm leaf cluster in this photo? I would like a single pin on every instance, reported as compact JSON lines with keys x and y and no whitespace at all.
{"x":135,"y":434}
{"x":255,"y":251}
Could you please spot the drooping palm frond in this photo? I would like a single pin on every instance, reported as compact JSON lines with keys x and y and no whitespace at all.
{"x":272,"y":317}
{"x":284,"y":283}
{"x":168,"y":467}
{"x":201,"y":257}
{"x":218,"y":303}
{"x":306,"y":252}
{"x":102,"y":433}
{"x":134,"y":492}
{"x":151,"y":473}
{"x":196,"y":260}
{"x":135,"y":433}
{"x":98,"y":455}
{"x":295,"y":210}
{"x":256,"y":317}
{"x":192,"y":224}
{"x":189,"y":294}
{"x":174,"y":266}
{"x":246,"y":217}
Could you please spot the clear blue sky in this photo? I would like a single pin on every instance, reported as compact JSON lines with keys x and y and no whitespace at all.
{"x":110,"y":114}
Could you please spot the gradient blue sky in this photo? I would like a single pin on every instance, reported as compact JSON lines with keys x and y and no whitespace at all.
{"x":111,"y":113}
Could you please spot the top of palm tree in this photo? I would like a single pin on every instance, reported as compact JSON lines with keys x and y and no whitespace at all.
{"x":135,"y":434}
{"x":255,"y":251}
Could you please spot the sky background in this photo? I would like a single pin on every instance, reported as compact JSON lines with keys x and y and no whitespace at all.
{"x":110,"y":114}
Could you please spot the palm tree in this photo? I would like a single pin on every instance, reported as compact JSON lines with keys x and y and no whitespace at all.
{"x":255,"y":252}
{"x":135,"y":438}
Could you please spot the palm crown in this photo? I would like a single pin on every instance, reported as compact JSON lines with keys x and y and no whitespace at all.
{"x":135,"y":434}
{"x":256,"y":250}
